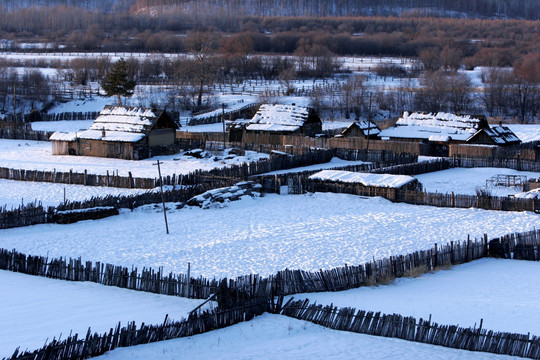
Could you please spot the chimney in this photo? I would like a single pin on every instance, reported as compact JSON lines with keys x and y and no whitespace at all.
{"x":103,"y":132}
{"x":500,"y":123}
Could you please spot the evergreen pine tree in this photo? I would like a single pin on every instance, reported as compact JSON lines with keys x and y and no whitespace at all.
{"x":117,"y":81}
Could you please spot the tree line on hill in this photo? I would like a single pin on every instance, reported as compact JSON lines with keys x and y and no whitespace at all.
{"x":527,"y":9}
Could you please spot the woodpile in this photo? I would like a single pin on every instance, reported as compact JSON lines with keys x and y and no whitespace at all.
{"x":226,"y":194}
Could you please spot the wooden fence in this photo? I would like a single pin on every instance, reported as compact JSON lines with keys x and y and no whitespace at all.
{"x":411,"y":329}
{"x":94,"y":344}
{"x":236,"y":172}
{"x":523,"y":246}
{"x":89,"y":115}
{"x":35,"y":213}
{"x":23,"y":134}
{"x":423,"y":198}
{"x":528,"y":151}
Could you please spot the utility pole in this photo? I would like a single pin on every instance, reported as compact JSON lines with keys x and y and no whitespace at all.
{"x":368,"y":125}
{"x":223,"y":122}
{"x":162,"y":197}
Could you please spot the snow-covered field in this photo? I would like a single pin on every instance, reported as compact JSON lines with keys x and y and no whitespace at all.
{"x":37,"y":155}
{"x":15,"y":193}
{"x":264,"y":235}
{"x":504,"y":293}
{"x":276,"y":337}
{"x":467,"y":181}
{"x":34,"y":309}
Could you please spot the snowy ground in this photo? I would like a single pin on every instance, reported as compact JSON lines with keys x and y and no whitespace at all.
{"x":38,"y":309}
{"x":37,"y":155}
{"x":466,"y":181}
{"x":264,"y":235}
{"x":15,"y":193}
{"x":502,"y":292}
{"x":276,"y":337}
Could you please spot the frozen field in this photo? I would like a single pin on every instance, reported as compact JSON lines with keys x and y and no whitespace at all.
{"x":264,"y":235}
{"x":38,"y":309}
{"x":466,"y":181}
{"x":276,"y":337}
{"x":502,"y":292}
{"x":37,"y":155}
{"x":13,"y":193}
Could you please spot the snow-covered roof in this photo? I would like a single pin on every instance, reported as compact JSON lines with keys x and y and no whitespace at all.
{"x":532,"y":194}
{"x":121,"y":136}
{"x":502,"y":135}
{"x":63,"y":136}
{"x":435,"y":126}
{"x":116,"y":123}
{"x":366,"y":179}
{"x":278,"y":117}
{"x":365,"y":126}
{"x":119,"y":118}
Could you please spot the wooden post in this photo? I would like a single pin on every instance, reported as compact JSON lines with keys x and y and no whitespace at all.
{"x":162,"y":197}
{"x":188,"y":280}
{"x":223,"y":122}
{"x":435,"y":256}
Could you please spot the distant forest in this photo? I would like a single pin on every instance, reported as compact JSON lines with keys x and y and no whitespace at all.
{"x":503,"y":9}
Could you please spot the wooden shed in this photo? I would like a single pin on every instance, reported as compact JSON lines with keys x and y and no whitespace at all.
{"x":285,"y":119}
{"x":130,"y":133}
{"x":367,"y":180}
{"x":363,"y":129}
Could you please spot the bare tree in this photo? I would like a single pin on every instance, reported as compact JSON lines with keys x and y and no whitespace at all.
{"x":431,"y":58}
{"x":353,"y":96}
{"x":443,"y":91}
{"x":202,"y":46}
{"x":526,"y":87}
{"x":497,"y":91}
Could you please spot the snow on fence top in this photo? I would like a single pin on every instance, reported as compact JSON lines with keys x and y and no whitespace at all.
{"x":366,"y":179}
{"x":429,"y":125}
{"x":279,"y":118}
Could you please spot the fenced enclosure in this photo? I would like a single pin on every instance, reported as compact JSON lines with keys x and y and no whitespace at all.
{"x":523,"y":246}
{"x":411,"y":329}
{"x":243,"y":298}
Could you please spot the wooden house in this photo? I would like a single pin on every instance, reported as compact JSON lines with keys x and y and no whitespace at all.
{"x":442,"y":129}
{"x":364,"y":183}
{"x":130,"y":133}
{"x":285,"y":119}
{"x":363,"y":129}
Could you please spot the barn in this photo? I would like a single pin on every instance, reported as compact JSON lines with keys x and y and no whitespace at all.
{"x":285,"y":119}
{"x":362,"y":128}
{"x":130,"y":133}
